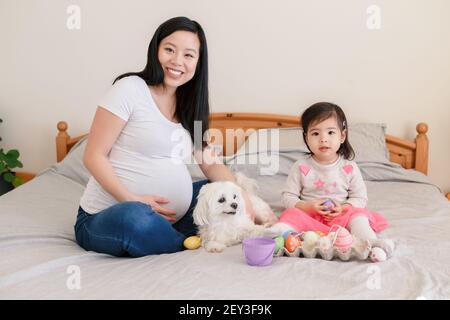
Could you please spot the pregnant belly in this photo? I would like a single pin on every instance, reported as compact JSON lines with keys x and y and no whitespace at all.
{"x":162,"y":178}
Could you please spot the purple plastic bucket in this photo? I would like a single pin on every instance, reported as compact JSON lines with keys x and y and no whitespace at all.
{"x":258,"y":251}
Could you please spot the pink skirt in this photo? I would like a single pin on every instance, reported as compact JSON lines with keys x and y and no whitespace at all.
{"x":301,"y":221}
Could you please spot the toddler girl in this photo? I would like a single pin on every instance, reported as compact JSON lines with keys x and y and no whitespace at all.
{"x":328,"y":173}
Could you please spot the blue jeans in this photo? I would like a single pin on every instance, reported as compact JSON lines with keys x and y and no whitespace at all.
{"x":134,"y":229}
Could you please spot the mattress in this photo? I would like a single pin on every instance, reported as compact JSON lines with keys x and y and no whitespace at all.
{"x":39,"y":258}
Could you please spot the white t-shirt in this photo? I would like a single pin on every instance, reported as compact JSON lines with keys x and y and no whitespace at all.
{"x":150,"y":153}
{"x":309,"y":180}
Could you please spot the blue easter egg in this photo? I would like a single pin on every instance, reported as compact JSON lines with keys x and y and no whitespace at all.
{"x":286,"y":234}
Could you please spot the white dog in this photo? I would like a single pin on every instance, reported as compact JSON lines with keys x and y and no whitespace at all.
{"x":264,"y":215}
{"x":221,"y":216}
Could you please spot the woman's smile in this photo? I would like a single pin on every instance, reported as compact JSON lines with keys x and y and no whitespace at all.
{"x":174,"y":74}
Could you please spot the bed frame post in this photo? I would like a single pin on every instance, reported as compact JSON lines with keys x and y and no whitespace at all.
{"x":421,"y":161}
{"x":61,"y":140}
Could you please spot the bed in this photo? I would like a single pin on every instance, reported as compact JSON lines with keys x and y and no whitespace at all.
{"x":41,"y":260}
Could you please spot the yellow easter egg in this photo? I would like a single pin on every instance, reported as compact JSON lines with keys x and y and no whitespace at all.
{"x":192,"y":243}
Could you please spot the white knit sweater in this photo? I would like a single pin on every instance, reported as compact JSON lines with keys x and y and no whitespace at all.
{"x":341,"y":181}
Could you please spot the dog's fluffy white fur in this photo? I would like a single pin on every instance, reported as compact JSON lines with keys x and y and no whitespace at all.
{"x":221,"y":214}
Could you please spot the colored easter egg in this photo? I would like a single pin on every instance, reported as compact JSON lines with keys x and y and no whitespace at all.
{"x":329,"y":204}
{"x":325,"y":243}
{"x":192,"y":243}
{"x":343,"y":240}
{"x":310,"y":238}
{"x":292,"y":242}
{"x":377,"y":255}
{"x":279,"y":243}
{"x":287,"y":233}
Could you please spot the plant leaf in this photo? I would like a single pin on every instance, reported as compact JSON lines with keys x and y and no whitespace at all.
{"x":13,"y":154}
{"x":9,"y":177}
{"x":14,"y":164}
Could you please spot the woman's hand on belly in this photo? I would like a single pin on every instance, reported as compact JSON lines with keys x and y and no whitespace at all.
{"x":155,"y":203}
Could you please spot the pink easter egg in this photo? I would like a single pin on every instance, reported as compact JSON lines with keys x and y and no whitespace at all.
{"x":343,"y":240}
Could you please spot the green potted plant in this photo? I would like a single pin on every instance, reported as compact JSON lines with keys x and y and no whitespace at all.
{"x":8,"y":161}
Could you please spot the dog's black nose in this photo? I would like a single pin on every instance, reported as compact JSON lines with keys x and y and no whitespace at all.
{"x":234,"y":205}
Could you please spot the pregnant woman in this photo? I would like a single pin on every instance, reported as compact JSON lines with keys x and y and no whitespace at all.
{"x":140,"y":197}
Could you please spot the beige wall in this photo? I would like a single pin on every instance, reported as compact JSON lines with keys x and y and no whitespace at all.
{"x":265,"y":56}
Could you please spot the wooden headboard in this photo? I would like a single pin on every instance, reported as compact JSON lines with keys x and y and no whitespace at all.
{"x":409,"y":154}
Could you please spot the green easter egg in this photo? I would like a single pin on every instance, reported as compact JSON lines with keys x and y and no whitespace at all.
{"x":279,"y":243}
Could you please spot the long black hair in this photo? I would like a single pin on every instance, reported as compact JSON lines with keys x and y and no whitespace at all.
{"x":192,"y":97}
{"x":321,"y":111}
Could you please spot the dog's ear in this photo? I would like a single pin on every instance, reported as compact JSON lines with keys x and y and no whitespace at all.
{"x":201,"y":211}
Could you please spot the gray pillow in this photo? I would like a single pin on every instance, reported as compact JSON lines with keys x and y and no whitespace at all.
{"x":72,"y":165}
{"x":367,"y":140}
{"x":274,"y":139}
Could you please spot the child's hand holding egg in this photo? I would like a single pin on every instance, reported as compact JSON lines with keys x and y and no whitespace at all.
{"x":329,"y":203}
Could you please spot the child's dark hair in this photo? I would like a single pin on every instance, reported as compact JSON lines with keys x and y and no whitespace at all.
{"x":321,"y":111}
